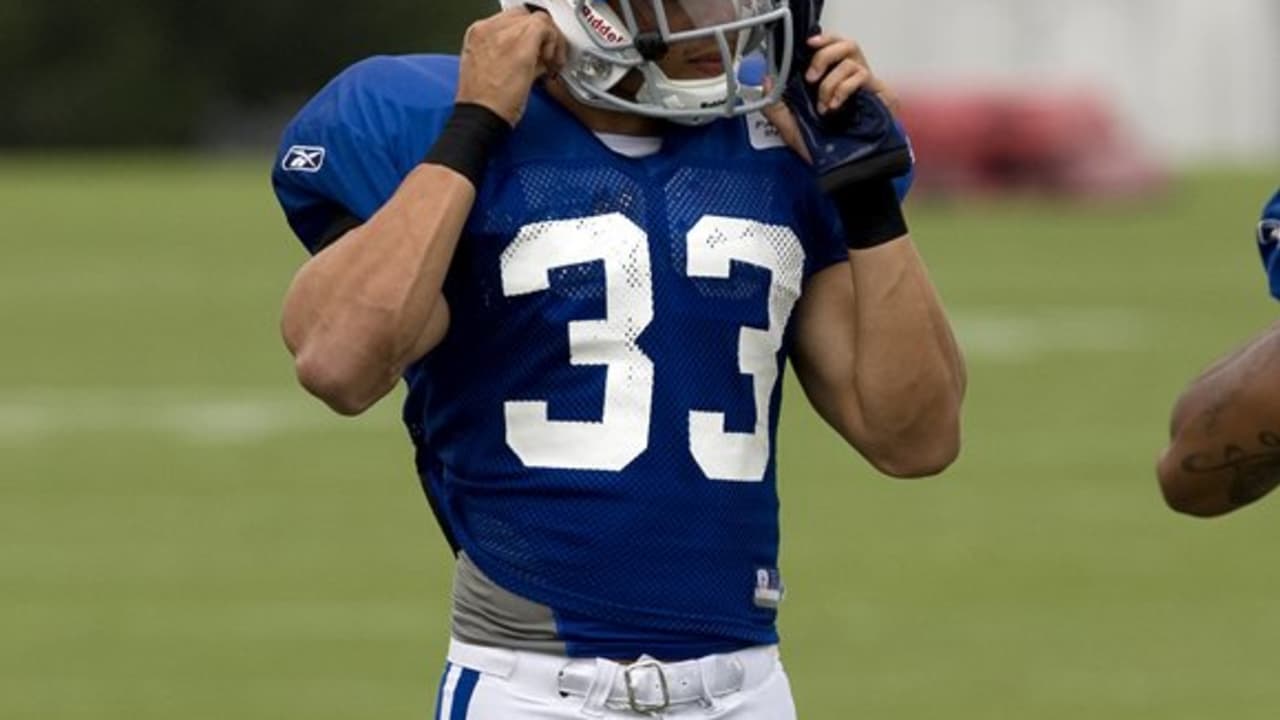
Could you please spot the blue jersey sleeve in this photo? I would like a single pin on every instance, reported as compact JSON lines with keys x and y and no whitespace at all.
{"x":1271,"y":213}
{"x":827,"y":245}
{"x":1269,"y":243}
{"x":345,"y":153}
{"x":830,"y":246}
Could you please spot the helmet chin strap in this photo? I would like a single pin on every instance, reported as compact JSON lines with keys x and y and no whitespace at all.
{"x":710,"y":94}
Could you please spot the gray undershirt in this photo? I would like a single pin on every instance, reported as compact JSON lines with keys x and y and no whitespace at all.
{"x":486,"y":614}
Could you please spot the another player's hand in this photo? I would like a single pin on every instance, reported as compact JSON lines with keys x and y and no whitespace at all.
{"x":839,"y":69}
{"x":503,"y":55}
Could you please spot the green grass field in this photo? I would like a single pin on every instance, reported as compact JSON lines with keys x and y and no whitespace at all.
{"x":183,"y":534}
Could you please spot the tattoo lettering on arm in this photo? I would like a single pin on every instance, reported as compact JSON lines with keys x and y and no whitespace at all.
{"x":1253,"y":473}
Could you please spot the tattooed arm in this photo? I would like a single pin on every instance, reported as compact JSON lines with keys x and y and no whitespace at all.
{"x":1225,"y":447}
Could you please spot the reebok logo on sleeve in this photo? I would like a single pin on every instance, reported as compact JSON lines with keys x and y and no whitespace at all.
{"x":304,"y":158}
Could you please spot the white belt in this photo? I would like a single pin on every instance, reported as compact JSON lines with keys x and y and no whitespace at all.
{"x":645,"y":686}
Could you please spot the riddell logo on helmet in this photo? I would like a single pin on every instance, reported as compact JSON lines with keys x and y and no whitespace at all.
{"x":602,"y":27}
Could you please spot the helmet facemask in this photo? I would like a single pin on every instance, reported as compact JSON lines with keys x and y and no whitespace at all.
{"x":752,"y":38}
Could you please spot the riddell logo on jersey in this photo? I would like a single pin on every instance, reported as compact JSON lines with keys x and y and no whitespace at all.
{"x":602,"y":27}
{"x":764,"y":136}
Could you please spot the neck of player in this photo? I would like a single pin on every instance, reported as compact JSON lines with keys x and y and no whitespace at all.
{"x":601,"y":120}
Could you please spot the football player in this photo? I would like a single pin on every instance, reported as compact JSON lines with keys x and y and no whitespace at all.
{"x":589,"y":255}
{"x":1225,"y":447}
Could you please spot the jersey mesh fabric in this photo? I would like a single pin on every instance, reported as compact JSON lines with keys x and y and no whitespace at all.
{"x":655,"y":556}
{"x":656,"y":550}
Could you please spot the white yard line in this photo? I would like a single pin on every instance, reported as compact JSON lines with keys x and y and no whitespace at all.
{"x":195,"y":415}
{"x":1013,"y":335}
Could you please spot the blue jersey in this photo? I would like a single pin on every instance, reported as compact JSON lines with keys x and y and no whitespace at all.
{"x":597,"y":430}
{"x":1269,"y":241}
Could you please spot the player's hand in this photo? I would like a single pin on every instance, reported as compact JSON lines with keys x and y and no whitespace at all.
{"x":839,"y":69}
{"x":503,"y":55}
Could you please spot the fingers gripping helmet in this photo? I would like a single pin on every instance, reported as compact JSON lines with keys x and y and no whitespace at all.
{"x":608,"y":39}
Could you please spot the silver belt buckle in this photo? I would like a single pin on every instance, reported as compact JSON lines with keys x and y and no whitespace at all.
{"x":630,"y":679}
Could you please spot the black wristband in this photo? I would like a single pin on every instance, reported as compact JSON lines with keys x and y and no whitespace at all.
{"x":871,"y":213}
{"x":464,"y":145}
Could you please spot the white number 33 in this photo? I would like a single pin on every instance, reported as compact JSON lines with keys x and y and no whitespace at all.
{"x":622,"y":434}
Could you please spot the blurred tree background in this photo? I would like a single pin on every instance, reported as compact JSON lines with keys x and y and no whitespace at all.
{"x":129,"y":73}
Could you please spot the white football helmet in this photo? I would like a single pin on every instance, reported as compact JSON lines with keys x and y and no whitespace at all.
{"x":754,"y":38}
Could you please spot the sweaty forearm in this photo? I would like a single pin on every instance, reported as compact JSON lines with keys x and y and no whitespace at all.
{"x":365,"y":308}
{"x":1224,"y":451}
{"x":908,"y":370}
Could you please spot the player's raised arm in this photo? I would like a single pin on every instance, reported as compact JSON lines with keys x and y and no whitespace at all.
{"x":1224,"y":451}
{"x":360,"y":312}
{"x":877,"y":358}
{"x":874,"y":349}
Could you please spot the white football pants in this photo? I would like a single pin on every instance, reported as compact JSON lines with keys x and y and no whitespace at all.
{"x":482,"y":683}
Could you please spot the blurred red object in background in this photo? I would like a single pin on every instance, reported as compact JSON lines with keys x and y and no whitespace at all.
{"x":997,"y":141}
